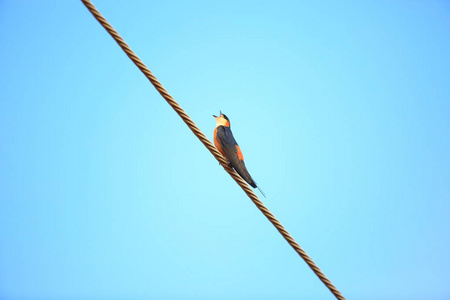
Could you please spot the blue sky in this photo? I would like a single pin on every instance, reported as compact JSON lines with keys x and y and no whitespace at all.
{"x":341,"y":111}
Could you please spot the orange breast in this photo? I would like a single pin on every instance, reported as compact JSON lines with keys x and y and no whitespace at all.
{"x":217,"y":143}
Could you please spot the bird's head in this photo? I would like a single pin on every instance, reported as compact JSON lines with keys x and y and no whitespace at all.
{"x":222,"y":120}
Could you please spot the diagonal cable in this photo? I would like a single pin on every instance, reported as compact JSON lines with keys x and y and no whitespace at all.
{"x":115,"y":35}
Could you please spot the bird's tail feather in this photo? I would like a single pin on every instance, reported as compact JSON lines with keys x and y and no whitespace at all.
{"x":240,"y":168}
{"x":261,"y":192}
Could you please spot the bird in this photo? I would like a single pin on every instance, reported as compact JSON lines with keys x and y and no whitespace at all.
{"x":227,"y":145}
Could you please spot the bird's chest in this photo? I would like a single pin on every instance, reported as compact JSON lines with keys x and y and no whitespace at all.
{"x":217,"y":142}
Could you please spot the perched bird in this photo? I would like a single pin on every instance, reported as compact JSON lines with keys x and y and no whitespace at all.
{"x":227,"y":145}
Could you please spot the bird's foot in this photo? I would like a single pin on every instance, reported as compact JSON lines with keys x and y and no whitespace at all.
{"x":228,"y":164}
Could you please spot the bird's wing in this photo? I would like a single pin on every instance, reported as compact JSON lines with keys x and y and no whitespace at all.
{"x":233,"y":153}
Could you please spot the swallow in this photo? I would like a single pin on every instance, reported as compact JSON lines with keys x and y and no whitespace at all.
{"x":227,"y":145}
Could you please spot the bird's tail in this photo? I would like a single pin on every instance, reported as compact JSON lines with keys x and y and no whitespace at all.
{"x":261,"y":191}
{"x":240,"y":168}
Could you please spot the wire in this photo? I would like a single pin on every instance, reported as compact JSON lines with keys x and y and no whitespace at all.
{"x":115,"y":35}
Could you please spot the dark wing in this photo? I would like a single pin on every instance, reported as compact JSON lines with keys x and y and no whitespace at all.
{"x":233,"y":153}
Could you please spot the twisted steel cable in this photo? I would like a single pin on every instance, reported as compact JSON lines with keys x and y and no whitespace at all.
{"x":115,"y":35}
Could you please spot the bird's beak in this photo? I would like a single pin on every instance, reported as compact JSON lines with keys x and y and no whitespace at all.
{"x":214,"y":116}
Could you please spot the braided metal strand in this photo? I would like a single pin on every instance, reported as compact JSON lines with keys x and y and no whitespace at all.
{"x":115,"y":35}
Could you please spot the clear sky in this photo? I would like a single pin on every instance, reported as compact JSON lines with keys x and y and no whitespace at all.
{"x":342,"y":111}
